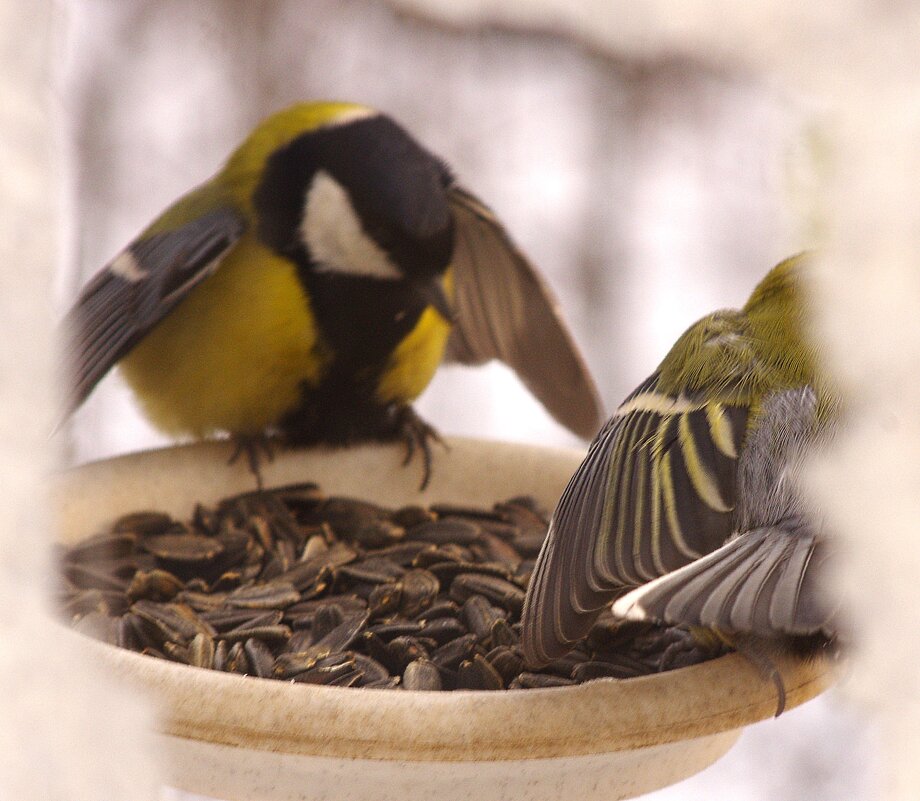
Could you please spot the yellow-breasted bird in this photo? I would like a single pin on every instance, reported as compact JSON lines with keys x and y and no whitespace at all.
{"x":311,"y":288}
{"x":685,"y":510}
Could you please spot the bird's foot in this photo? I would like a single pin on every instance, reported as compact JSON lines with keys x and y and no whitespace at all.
{"x":257,"y":450}
{"x":417,"y":435}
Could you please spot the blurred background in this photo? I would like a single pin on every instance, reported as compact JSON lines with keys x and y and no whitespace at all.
{"x":649,"y":192}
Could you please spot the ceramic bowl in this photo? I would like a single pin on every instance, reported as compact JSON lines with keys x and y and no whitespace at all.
{"x":248,"y":739}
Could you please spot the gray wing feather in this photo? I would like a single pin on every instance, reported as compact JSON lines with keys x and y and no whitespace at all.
{"x":609,"y":531}
{"x":116,"y":309}
{"x":564,"y":596}
{"x":505,"y":311}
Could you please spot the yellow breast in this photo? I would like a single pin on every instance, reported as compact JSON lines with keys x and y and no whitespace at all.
{"x":414,"y":361}
{"x":234,"y":354}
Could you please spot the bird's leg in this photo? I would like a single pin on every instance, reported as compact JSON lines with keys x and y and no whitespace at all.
{"x":417,"y":434}
{"x":255,"y":447}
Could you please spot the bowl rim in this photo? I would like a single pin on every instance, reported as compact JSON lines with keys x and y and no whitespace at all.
{"x":269,"y":715}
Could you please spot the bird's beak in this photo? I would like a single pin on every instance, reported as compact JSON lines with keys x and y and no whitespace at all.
{"x":432,"y":292}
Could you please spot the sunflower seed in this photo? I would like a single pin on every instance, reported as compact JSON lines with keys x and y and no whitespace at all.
{"x":587,"y":671}
{"x":448,"y":571}
{"x":496,"y":549}
{"x":443,"y":510}
{"x":421,"y":674}
{"x":478,"y":674}
{"x":288,"y":584}
{"x":308,"y":572}
{"x":385,"y":684}
{"x":184,"y":548}
{"x":315,"y":546}
{"x":143,"y":524}
{"x":529,"y":544}
{"x":384,"y":599}
{"x":402,"y":651}
{"x":372,"y":570}
{"x":409,"y":516}
{"x":325,"y":620}
{"x":106,"y":602}
{"x":175,"y":622}
{"x":178,"y":653}
{"x":507,"y":662}
{"x":387,"y":631}
{"x":229,"y":619}
{"x":442,"y":554}
{"x":221,"y":651}
{"x":442,"y":629}
{"x":95,"y":577}
{"x":534,"y":680}
{"x":154,"y":585}
{"x":446,"y":531}
{"x":452,"y":653}
{"x":341,"y":637}
{"x":103,"y":547}
{"x":479,"y":616}
{"x":327,"y":671}
{"x":496,"y":590}
{"x":441,"y":608}
{"x":201,"y":650}
{"x":371,"y":669}
{"x":419,"y":589}
{"x":268,"y":634}
{"x":261,"y":660}
{"x":273,"y":595}
{"x":351,"y":678}
{"x":237,"y":661}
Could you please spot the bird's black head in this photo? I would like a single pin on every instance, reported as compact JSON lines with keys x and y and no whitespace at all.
{"x":359,"y":197}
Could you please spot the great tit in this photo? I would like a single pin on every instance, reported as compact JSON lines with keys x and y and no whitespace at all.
{"x":311,"y":288}
{"x":685,"y":509}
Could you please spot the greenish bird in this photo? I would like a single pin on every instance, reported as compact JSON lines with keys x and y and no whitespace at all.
{"x":685,"y":510}
{"x":311,"y":288}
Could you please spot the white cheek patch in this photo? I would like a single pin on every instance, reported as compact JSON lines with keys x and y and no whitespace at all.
{"x":124,"y":265}
{"x":332,"y":232}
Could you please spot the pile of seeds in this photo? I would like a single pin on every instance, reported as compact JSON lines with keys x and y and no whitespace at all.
{"x":291,"y":584}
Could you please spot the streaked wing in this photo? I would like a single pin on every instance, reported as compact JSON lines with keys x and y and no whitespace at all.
{"x":762,"y":582}
{"x":656,"y":491}
{"x":505,"y":311}
{"x":137,"y":289}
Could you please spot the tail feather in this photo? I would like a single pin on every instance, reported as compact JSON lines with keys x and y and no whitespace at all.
{"x":709,"y":585}
{"x":784,"y":602}
{"x":762,"y":582}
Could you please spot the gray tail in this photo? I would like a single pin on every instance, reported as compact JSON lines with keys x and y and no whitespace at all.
{"x":764,"y":582}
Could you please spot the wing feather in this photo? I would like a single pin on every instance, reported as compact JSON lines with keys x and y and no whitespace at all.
{"x":565,"y":595}
{"x":505,"y":311}
{"x":637,"y":507}
{"x":137,"y":289}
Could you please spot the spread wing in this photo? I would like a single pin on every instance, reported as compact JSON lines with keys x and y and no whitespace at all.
{"x":764,"y":582}
{"x":505,"y":311}
{"x":655,"y":492}
{"x":137,"y":289}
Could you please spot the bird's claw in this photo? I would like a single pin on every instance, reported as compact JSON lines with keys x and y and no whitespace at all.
{"x":755,"y":652}
{"x":255,"y":448}
{"x":418,"y":435}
